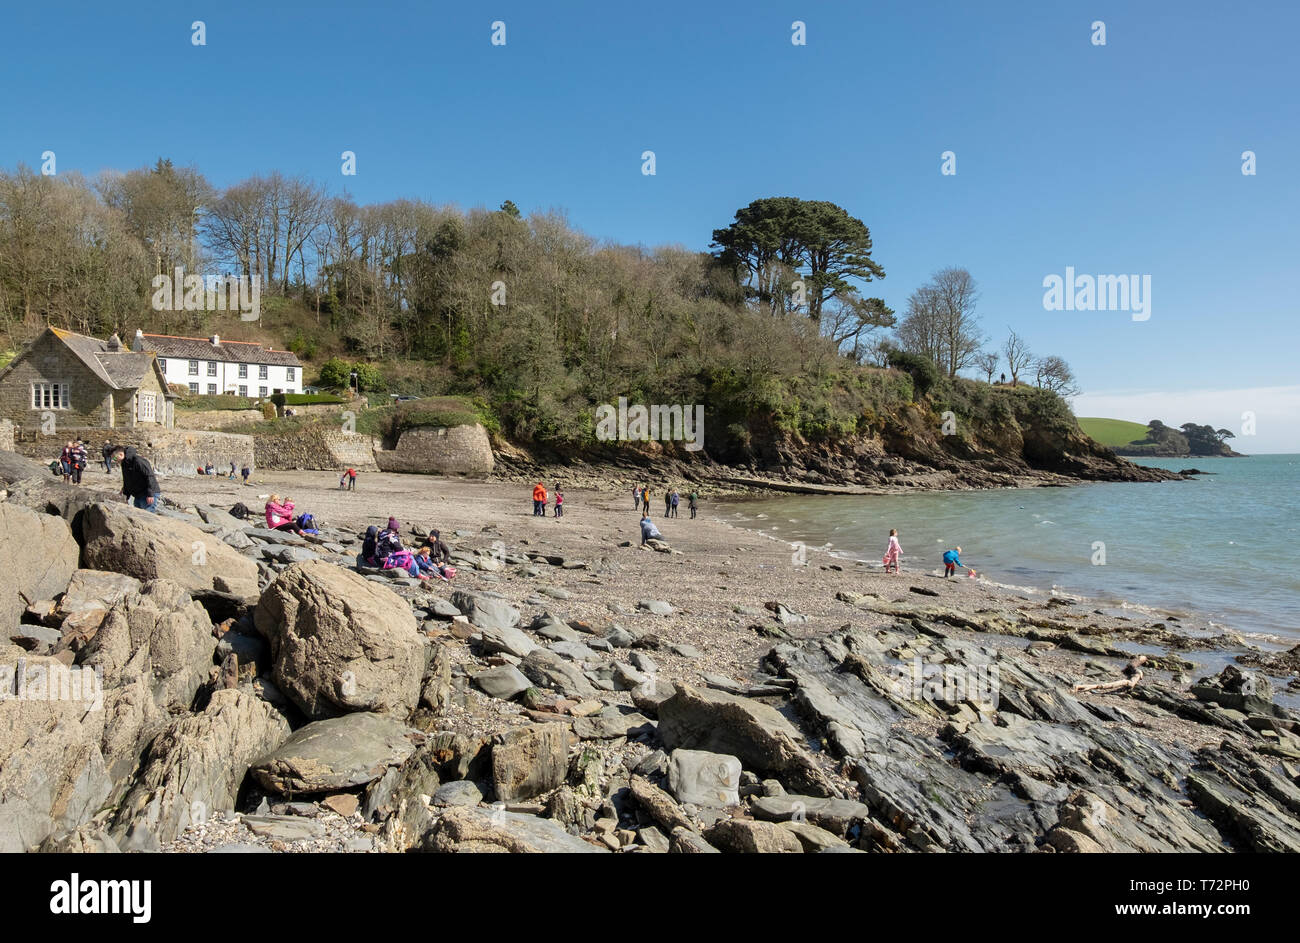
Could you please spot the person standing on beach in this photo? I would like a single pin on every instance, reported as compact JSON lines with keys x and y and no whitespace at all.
{"x":539,"y":500}
{"x":668,"y":503}
{"x":893,"y":551}
{"x":691,"y":500}
{"x":559,"y":502}
{"x":107,"y":453}
{"x":676,"y":498}
{"x":636,"y":498}
{"x":244,"y":473}
{"x":645,"y":500}
{"x":352,"y":479}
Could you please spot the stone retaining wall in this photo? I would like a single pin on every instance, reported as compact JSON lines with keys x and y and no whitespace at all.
{"x":170,"y":451}
{"x":440,"y":450}
{"x":6,"y":435}
{"x":316,"y":449}
{"x":211,"y":419}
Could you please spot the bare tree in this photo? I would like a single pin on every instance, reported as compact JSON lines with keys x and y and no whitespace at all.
{"x":1053,"y":373}
{"x":940,"y":322}
{"x":987,"y":363}
{"x":1018,"y":356}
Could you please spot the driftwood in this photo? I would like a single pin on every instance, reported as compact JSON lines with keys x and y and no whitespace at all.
{"x":1132,"y":675}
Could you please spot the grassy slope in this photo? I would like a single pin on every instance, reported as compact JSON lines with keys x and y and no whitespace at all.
{"x":1113,"y":433}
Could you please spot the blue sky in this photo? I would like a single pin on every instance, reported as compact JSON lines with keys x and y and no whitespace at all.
{"x":1115,"y":159}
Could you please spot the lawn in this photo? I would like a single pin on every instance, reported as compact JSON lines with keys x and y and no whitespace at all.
{"x":1113,"y":433}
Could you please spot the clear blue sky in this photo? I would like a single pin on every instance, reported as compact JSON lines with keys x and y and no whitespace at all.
{"x":1123,"y":158}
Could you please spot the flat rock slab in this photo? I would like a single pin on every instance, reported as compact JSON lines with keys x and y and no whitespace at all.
{"x":335,"y":754}
{"x":480,"y":830}
{"x":504,"y":682}
{"x":284,"y":827}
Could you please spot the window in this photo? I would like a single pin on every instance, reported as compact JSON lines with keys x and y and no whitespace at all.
{"x":212,"y":368}
{"x":261,"y":391}
{"x":288,"y":374}
{"x":212,"y":389}
{"x":243,"y":371}
{"x":146,"y":407}
{"x":194,"y":388}
{"x":194,"y":368}
{"x":243,"y":391}
{"x":162,"y":364}
{"x":49,"y":396}
{"x":261,"y":371}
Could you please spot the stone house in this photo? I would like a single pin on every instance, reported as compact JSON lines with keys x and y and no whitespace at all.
{"x":83,"y":382}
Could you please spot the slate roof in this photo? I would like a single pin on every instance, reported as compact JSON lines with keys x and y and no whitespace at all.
{"x":121,"y":369}
{"x":201,"y":348}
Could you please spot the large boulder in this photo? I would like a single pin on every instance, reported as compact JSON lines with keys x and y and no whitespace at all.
{"x":152,"y":546}
{"x":528,"y":761}
{"x":486,"y":612}
{"x":195,"y":767}
{"x":52,"y":773}
{"x":758,"y":735}
{"x":339,"y":753}
{"x":37,"y":557}
{"x":340,"y":642}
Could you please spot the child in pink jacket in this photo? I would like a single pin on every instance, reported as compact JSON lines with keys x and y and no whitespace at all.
{"x":893,"y":551}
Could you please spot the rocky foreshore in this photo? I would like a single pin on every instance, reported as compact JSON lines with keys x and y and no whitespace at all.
{"x":574,"y":692}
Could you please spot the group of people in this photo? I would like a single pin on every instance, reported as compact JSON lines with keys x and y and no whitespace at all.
{"x":72,"y":461}
{"x":951,"y":558}
{"x":540,"y":497}
{"x":384,"y":549}
{"x":210,"y":469}
{"x":641,"y":501}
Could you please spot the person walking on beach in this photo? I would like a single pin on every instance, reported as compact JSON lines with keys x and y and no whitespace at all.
{"x":539,"y":500}
{"x":79,"y":460}
{"x":139,"y":483}
{"x":952,"y":560}
{"x":244,"y":473}
{"x":691,"y":500}
{"x":674,"y":499}
{"x":352,"y":479}
{"x":636,"y":497}
{"x":231,"y":476}
{"x":559,"y":502}
{"x":645,"y":500}
{"x":893,"y":551}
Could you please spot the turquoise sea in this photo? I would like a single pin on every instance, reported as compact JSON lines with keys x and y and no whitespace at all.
{"x":1222,"y":546}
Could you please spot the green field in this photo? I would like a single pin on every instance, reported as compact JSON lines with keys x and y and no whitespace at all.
{"x":1113,"y":433}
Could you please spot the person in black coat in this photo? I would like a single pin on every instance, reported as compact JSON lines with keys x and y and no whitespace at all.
{"x":138,"y":481}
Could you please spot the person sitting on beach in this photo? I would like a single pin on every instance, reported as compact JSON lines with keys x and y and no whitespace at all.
{"x":427,"y":565}
{"x":279,"y":515}
{"x":370,"y":546}
{"x":649,"y":531}
{"x":392,"y":555}
{"x":231,"y":476}
{"x":952,"y":560}
{"x":893,"y":551}
{"x":438,"y":548}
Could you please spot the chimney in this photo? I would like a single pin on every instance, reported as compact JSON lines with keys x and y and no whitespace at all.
{"x":114,"y":343}
{"x":215,"y":340}
{"x":138,"y":343}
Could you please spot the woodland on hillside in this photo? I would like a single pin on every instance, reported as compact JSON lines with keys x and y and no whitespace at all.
{"x":528,"y":316}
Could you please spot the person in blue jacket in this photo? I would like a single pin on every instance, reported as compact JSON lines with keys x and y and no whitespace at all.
{"x":649,"y":531}
{"x":952,"y":560}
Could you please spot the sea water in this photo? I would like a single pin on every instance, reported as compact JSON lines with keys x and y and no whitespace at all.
{"x":1223,"y":545}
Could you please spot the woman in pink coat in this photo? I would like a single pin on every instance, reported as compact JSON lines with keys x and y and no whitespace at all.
{"x":279,"y":515}
{"x":893,"y":551}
